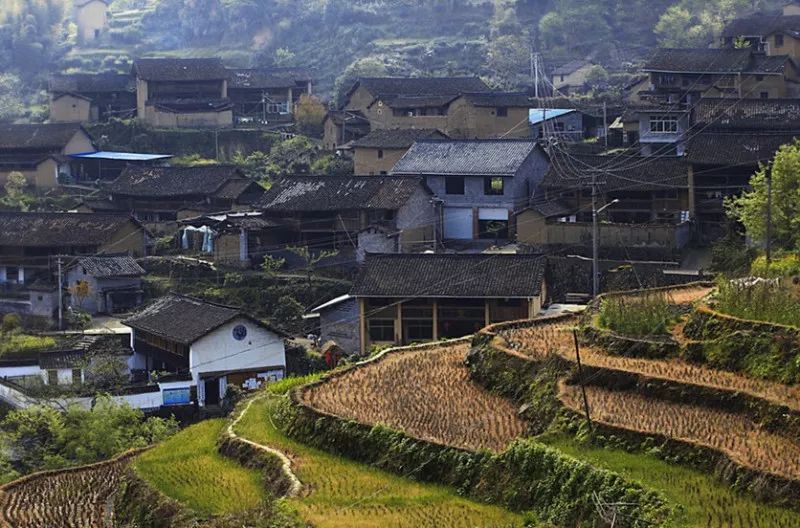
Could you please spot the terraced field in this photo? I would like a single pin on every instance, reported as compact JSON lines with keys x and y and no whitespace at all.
{"x":729,"y":433}
{"x":425,"y":393}
{"x":78,"y":498}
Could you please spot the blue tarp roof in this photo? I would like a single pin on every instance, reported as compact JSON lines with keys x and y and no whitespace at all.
{"x":120,"y":156}
{"x":537,"y":115}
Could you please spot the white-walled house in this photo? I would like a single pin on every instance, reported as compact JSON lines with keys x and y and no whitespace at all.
{"x":208,"y":346}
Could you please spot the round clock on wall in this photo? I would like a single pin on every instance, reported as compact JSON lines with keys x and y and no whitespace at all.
{"x":239,"y":332}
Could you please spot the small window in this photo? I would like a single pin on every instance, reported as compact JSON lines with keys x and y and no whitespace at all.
{"x":52,"y":377}
{"x":381,"y":329}
{"x":764,"y":95}
{"x":380,"y":154}
{"x":76,"y":376}
{"x":502,"y":111}
{"x":663,"y":124}
{"x":493,"y":186}
{"x":384,"y":173}
{"x":778,"y":41}
{"x":561,"y":77}
{"x":454,"y":185}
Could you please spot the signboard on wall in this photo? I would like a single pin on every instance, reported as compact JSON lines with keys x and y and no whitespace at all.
{"x":181,"y":396}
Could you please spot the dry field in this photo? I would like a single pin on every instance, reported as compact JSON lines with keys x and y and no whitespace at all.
{"x":427,"y":394}
{"x":74,"y":499}
{"x":732,"y":434}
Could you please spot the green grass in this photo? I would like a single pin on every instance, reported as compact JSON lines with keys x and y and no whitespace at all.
{"x":707,"y":502}
{"x":759,"y":302}
{"x":188,"y":469}
{"x":642,"y":315}
{"x":344,"y":493}
{"x":14,"y":344}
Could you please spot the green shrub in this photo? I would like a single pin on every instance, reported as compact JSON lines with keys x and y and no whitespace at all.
{"x":649,"y":314}
{"x":758,"y":301}
{"x":784,"y":266}
{"x":11,"y":322}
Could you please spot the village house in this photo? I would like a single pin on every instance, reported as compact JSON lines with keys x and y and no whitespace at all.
{"x":733,"y":141}
{"x":238,"y":239}
{"x":86,"y":97}
{"x":267,"y":95}
{"x":656,"y":128}
{"x":489,"y":115}
{"x":91,"y":18}
{"x":353,"y":215}
{"x":571,"y":77}
{"x":404,"y":299}
{"x":158,"y":196}
{"x":381,"y":149}
{"x":686,"y":75}
{"x":648,"y":203}
{"x":105,"y":165}
{"x":340,"y":127}
{"x":104,"y":284}
{"x":40,"y":151}
{"x":174,"y":93}
{"x":482,"y":184}
{"x":771,"y":33}
{"x":206,"y":347}
{"x":566,"y":124}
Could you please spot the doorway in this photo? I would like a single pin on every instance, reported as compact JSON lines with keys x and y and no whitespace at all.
{"x":211,"y":389}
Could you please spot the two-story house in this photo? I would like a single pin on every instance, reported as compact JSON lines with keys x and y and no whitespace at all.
{"x":772,"y":33}
{"x":88,"y":97}
{"x":104,"y":283}
{"x":40,"y":151}
{"x":267,"y":95}
{"x":571,"y":77}
{"x":91,"y":18}
{"x":353,"y":215}
{"x":482,"y":183}
{"x":174,"y":93}
{"x":381,"y":149}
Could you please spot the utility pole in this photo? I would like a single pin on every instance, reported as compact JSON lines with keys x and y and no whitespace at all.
{"x":580,"y":377}
{"x":595,"y":240}
{"x":60,"y":298}
{"x":605,"y":122}
{"x":768,"y":234}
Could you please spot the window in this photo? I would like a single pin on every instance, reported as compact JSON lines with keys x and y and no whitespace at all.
{"x":502,"y":111}
{"x":454,"y":185}
{"x":764,"y":95}
{"x":778,"y":41}
{"x":561,"y":78}
{"x":381,"y":329}
{"x":493,"y":186}
{"x":380,"y":154}
{"x":52,"y":377}
{"x":759,"y":78}
{"x":76,"y":376}
{"x":663,"y":124}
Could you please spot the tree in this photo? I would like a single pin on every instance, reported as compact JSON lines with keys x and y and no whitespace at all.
{"x":698,"y":23}
{"x":597,"y":77}
{"x":508,"y":58}
{"x":107,"y":371}
{"x":312,"y":259}
{"x":750,"y":209}
{"x":15,"y":191}
{"x":272,"y":265}
{"x":309,"y":114}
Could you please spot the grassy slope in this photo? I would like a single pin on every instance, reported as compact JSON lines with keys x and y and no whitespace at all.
{"x":349,"y":494}
{"x":188,"y":468}
{"x":707,"y":502}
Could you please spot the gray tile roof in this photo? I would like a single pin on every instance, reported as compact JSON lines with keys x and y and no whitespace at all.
{"x":710,"y":61}
{"x":764,"y":114}
{"x":256,"y":78}
{"x":730,"y":148}
{"x":183,"y":319}
{"x":49,"y":136}
{"x":339,"y":193}
{"x":499,"y":157}
{"x":111,"y":266}
{"x":396,"y":138}
{"x":137,"y":180}
{"x":635,"y":173}
{"x":763,"y":25}
{"x":570,"y":67}
{"x":450,"y":275}
{"x":60,"y":229}
{"x":169,"y":69}
{"x":92,"y":83}
{"x":507,"y":99}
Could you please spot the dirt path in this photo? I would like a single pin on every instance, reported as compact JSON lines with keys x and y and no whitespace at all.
{"x":427,"y":394}
{"x":732,"y":434}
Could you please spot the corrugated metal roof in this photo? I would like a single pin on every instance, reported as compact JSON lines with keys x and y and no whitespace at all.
{"x":537,"y":115}
{"x":120,"y":156}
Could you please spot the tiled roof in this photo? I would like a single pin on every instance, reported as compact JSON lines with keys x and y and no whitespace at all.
{"x":236,"y":188}
{"x":767,"y":114}
{"x":551,"y":208}
{"x":709,"y":61}
{"x":763,"y":25}
{"x":92,"y":83}
{"x":111,"y":266}
{"x":635,"y":173}
{"x":169,"y":69}
{"x":183,"y":319}
{"x":173,"y":181}
{"x":728,"y":148}
{"x":570,"y":67}
{"x":244,"y":78}
{"x":507,"y":99}
{"x":50,"y":136}
{"x":191,"y":104}
{"x":418,"y":101}
{"x":450,"y":275}
{"x":390,"y":87}
{"x":338,"y":193}
{"x":396,"y":138}
{"x":500,"y":157}
{"x":59,"y":229}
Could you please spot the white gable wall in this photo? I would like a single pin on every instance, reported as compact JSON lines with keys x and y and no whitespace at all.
{"x":219,"y":351}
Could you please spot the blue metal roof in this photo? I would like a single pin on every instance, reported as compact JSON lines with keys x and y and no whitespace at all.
{"x":537,"y":115}
{"x":120,"y":156}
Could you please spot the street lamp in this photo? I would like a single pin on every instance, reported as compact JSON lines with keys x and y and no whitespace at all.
{"x":596,"y":241}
